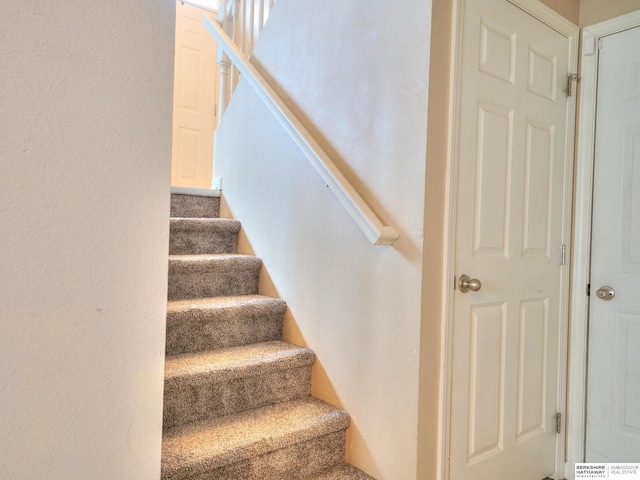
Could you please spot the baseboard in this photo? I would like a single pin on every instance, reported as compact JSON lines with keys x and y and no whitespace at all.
{"x":202,"y":192}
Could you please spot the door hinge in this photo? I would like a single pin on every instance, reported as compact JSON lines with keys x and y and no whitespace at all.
{"x":570,"y":79}
{"x":589,"y":46}
{"x":558,"y":422}
{"x":563,"y":254}
{"x":588,"y":289}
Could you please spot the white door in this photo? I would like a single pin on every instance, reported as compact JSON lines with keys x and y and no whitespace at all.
{"x":613,"y":386}
{"x":511,"y":217}
{"x":194,"y":99}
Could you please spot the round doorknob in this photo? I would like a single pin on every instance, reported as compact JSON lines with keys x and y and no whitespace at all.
{"x":465,"y":284}
{"x":606,"y":293}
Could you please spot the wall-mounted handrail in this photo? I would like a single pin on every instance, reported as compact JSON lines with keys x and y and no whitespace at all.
{"x":369,"y":223}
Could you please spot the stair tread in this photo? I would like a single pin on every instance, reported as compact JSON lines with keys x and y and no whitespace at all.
{"x":235,"y":362}
{"x":194,"y":206}
{"x":342,"y":472}
{"x":203,"y":261}
{"x":209,"y":257}
{"x":207,"y":219}
{"x":191,"y":222}
{"x":203,"y":235}
{"x":238,"y":301}
{"x":212,"y":275}
{"x":209,"y":323}
{"x":195,"y":448}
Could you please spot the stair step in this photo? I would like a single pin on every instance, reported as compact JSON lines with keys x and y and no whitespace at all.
{"x":218,"y":275}
{"x":342,"y":472}
{"x":193,"y":236}
{"x":221,"y":322}
{"x":205,"y":385}
{"x":194,"y":206}
{"x":291,"y":440}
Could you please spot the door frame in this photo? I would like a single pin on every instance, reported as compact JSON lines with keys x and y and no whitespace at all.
{"x":571,"y":31}
{"x":580,"y":260}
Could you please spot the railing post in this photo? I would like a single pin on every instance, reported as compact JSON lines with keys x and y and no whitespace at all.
{"x":236,"y":30}
{"x":225,"y":65}
{"x":238,"y":20}
{"x":260,"y":16}
{"x":250,"y":28}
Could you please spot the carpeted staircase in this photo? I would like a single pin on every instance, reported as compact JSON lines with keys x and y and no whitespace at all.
{"x":237,"y":401}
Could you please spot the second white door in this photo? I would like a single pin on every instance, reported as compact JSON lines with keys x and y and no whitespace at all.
{"x":512,"y":209}
{"x":613,"y":395}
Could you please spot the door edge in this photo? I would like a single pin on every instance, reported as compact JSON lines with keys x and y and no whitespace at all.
{"x":455,"y":75}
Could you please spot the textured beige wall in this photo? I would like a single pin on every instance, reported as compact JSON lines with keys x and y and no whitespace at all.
{"x":570,"y":9}
{"x":595,"y":11}
{"x":84,"y":187}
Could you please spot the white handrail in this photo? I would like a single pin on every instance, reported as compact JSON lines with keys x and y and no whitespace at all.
{"x":369,"y":223}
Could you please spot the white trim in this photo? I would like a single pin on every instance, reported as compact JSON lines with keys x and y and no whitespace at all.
{"x":201,"y":192}
{"x":194,"y":3}
{"x":582,"y":236}
{"x":571,"y":31}
{"x":455,"y":75}
{"x":547,"y":16}
{"x":369,"y":223}
{"x":565,"y":330}
{"x":216,"y":184}
{"x":615,"y":25}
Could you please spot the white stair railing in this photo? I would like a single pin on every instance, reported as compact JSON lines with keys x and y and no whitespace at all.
{"x":230,"y":51}
{"x":242,"y":21}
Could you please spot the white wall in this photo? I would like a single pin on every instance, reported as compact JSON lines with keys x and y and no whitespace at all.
{"x":85,"y":131}
{"x":359,"y":77}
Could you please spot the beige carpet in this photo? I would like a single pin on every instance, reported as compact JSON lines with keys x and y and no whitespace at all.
{"x":237,"y":401}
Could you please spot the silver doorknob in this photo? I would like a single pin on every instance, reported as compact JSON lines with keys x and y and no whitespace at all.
{"x":465,"y":284}
{"x":606,"y":293}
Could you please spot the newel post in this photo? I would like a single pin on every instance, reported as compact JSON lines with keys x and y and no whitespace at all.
{"x":225,"y":66}
{"x":224,"y":63}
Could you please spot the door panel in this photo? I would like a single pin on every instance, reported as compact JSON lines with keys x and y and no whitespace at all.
{"x":613,"y":392}
{"x":538,"y":184}
{"x":532,"y":371}
{"x":486,"y":395}
{"x":510,"y":221}
{"x":194,"y":103}
{"x":493,"y":183}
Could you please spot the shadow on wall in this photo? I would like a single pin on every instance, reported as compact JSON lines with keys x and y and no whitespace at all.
{"x":321,"y":385}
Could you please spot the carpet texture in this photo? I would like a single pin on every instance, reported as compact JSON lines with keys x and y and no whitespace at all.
{"x":212,"y":275}
{"x":193,"y":206}
{"x":221,"y":322}
{"x":342,"y":471}
{"x":221,"y":382}
{"x":237,"y":402}
{"x":203,"y":235}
